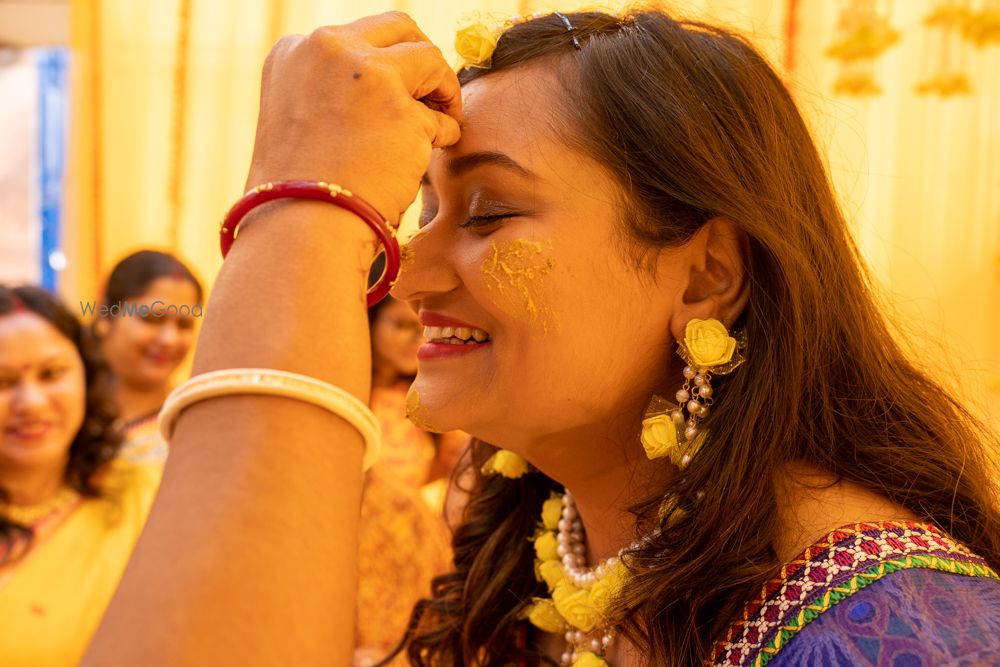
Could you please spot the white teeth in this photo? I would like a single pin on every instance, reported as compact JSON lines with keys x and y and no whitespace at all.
{"x":458,"y":335}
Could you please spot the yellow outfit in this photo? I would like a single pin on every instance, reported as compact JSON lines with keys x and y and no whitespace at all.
{"x":402,"y":546}
{"x":144,"y":443}
{"x":53,"y":599}
{"x":407,"y":450}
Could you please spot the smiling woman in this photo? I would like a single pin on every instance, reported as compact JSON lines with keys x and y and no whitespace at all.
{"x":624,"y":186}
{"x":69,"y":513}
{"x":146,"y":339}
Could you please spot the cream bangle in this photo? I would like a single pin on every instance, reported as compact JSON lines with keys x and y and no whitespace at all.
{"x":268,"y":381}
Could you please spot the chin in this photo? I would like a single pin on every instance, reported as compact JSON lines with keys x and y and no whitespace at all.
{"x":33,"y":456}
{"x":154,"y":377}
{"x":432,"y":408}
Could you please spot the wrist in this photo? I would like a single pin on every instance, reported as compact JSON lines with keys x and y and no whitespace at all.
{"x":312,"y":220}
{"x":326,"y":194}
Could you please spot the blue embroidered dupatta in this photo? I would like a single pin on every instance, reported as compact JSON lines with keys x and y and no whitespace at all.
{"x":886,"y":594}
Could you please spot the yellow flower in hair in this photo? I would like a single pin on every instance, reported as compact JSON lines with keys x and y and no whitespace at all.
{"x":505,"y":463}
{"x":589,"y":659}
{"x":475,"y":44}
{"x":545,"y":547}
{"x":552,"y":511}
{"x":708,"y":343}
{"x":659,"y":436}
{"x":544,"y":616}
{"x":574,"y":605}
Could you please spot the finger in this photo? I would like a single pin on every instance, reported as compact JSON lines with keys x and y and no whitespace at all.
{"x":387,"y":29}
{"x":281,"y":48}
{"x":442,"y":129}
{"x":427,"y":76}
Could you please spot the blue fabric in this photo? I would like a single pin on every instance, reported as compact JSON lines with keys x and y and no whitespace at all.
{"x":53,"y":99}
{"x":910,"y":618}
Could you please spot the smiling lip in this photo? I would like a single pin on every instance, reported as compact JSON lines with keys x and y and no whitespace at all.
{"x":159,"y":359}
{"x":447,"y":350}
{"x":33,"y":431}
{"x":432,"y":350}
{"x":430,"y":318}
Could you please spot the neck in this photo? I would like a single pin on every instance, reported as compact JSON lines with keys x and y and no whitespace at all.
{"x":811,"y":503}
{"x":384,"y":377}
{"x":26,"y":488}
{"x":135,"y":402}
{"x":609,"y":473}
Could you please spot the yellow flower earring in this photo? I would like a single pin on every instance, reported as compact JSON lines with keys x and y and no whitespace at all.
{"x":708,"y":350}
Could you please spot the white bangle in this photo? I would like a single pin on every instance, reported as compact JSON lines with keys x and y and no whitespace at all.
{"x":276,"y":383}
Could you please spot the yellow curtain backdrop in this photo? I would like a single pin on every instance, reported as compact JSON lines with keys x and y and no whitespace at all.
{"x":165,"y":98}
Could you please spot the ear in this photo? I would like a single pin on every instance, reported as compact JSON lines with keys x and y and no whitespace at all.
{"x":716,"y":280}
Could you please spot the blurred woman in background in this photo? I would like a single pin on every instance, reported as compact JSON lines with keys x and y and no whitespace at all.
{"x":69,"y":511}
{"x":156,"y":300}
{"x":408,"y":451}
{"x":402,"y":536}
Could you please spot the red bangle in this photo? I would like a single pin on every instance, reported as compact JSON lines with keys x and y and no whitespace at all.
{"x":330,"y":193}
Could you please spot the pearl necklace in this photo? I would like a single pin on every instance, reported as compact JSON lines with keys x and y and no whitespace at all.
{"x":572,"y":550}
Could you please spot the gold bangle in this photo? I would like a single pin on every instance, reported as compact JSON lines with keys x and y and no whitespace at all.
{"x":268,"y":381}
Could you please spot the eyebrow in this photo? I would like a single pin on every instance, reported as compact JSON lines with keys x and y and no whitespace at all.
{"x":463,"y":164}
{"x":56,"y":358}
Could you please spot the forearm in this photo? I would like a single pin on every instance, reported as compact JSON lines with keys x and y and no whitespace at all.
{"x":260,"y":493}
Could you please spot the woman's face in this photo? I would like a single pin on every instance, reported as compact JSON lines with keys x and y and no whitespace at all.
{"x":144,"y":351}
{"x":520,"y":239}
{"x":42,"y":394}
{"x":396,"y":336}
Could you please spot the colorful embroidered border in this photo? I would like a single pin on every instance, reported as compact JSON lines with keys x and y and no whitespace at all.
{"x":840,"y":565}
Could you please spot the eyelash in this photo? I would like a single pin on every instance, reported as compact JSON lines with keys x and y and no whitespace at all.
{"x":53,"y":373}
{"x":485,"y":220}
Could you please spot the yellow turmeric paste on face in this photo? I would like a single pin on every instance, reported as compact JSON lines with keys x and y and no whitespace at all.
{"x":516,"y":271}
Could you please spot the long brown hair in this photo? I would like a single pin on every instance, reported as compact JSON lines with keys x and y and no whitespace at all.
{"x":694,"y":124}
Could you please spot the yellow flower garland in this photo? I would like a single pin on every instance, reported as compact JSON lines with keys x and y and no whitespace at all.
{"x":570,"y":607}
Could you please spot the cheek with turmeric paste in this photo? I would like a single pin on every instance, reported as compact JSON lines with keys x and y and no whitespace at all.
{"x":514,"y":272}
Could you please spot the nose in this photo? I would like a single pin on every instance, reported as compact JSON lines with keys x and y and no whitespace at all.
{"x":168,"y":335}
{"x":428,"y":267}
{"x":28,"y":396}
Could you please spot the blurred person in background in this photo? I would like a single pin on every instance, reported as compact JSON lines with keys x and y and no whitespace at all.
{"x":414,"y":455}
{"x":70,"y":511}
{"x":402,"y":539}
{"x":145,"y":347}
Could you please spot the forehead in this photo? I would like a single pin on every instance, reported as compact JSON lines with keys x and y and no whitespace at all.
{"x":27,"y":336}
{"x":515,"y":112}
{"x":177,"y":288}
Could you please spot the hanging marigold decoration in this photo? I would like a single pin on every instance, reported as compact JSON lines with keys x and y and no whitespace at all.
{"x":863,"y":34}
{"x":982,"y":27}
{"x":947,"y":24}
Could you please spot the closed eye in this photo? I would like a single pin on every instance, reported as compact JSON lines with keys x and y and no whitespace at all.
{"x":478,"y":221}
